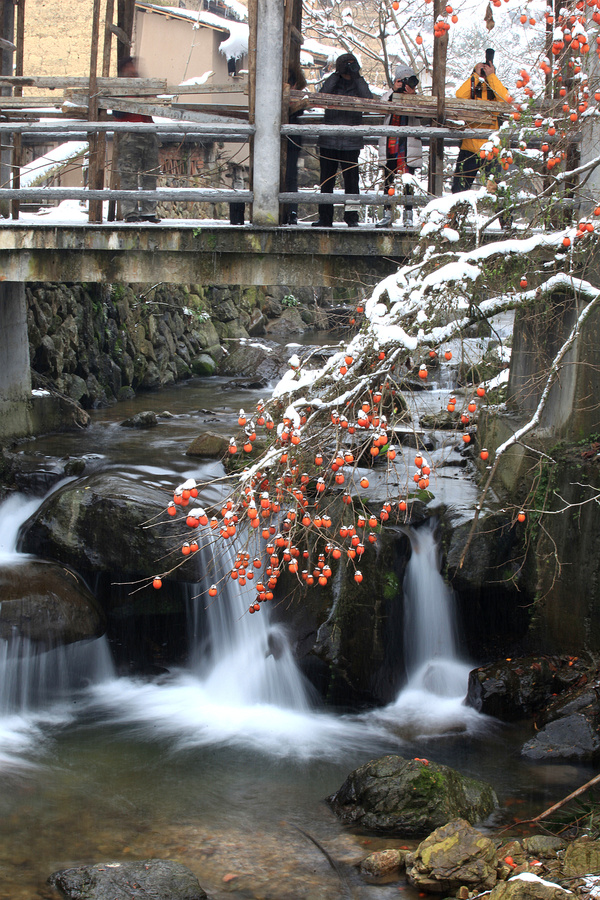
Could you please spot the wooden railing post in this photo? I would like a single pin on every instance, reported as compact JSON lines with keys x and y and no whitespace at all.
{"x":267,"y":110}
{"x":436,"y":147}
{"x":95,"y":170}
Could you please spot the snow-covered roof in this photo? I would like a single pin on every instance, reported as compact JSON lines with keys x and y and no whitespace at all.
{"x":311,"y":48}
{"x":56,"y":159}
{"x":235,"y":45}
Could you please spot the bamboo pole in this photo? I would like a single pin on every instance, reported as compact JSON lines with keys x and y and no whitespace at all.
{"x":18,"y":92}
{"x":125,"y":22}
{"x":102,"y":114}
{"x":95,"y":207}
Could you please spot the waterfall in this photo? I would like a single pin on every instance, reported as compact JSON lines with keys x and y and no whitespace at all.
{"x":243,"y":659}
{"x":34,"y":675}
{"x":430,"y":631}
{"x":431,"y":703}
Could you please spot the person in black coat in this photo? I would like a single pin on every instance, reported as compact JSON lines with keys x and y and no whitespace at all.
{"x":297,"y":82}
{"x":341,"y":152}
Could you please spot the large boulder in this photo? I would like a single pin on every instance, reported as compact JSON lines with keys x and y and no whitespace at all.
{"x":409,"y":797}
{"x":209,"y":444}
{"x":47,"y":603}
{"x":95,"y":525}
{"x":573,"y":737}
{"x":516,"y":689}
{"x":261,"y":362}
{"x":454,"y":856}
{"x":128,"y":880}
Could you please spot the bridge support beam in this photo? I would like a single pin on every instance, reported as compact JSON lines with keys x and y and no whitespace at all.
{"x":15,"y":374}
{"x":267,"y":139}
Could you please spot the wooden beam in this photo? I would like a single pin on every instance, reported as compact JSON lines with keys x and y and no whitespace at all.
{"x":423,"y":107}
{"x":120,"y":35}
{"x":57,"y":82}
{"x":125,"y":21}
{"x":125,"y":24}
{"x":96,"y":142}
{"x":7,"y":12}
{"x":436,"y":147}
{"x":110,"y":7}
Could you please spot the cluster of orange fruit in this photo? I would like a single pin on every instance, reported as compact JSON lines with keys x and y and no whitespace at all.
{"x":465,"y":417}
{"x":281,"y":503}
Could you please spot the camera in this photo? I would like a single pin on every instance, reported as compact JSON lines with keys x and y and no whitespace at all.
{"x":489,"y":57}
{"x":352,"y":67}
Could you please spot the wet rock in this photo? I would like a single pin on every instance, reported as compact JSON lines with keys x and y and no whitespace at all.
{"x":290,"y":322}
{"x":147,"y":419}
{"x":529,"y":887}
{"x":209,"y":444}
{"x":384,"y":863}
{"x":258,"y":323}
{"x":84,"y":525}
{"x":487,"y":558}
{"x":570,"y":737}
{"x":409,"y":797}
{"x":259,"y":361}
{"x":513,"y":689}
{"x":544,"y":845}
{"x":453,"y":856}
{"x":204,"y":365}
{"x":581,"y":857}
{"x":128,"y":880}
{"x":47,"y":603}
{"x":514,"y":850}
{"x":439,"y":421}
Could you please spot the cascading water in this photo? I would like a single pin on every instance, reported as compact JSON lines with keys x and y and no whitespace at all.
{"x":34,"y":675}
{"x":246,"y":659}
{"x":432,"y":700}
{"x":429,"y":619}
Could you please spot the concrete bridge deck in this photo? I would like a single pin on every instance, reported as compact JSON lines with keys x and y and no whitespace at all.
{"x":193,"y":252}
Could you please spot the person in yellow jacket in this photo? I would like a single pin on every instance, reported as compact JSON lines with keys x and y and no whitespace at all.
{"x":483,"y":84}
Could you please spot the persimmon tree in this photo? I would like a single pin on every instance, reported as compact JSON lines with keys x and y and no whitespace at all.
{"x":327,"y":429}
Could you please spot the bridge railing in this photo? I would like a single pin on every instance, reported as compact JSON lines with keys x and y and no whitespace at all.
{"x":81,"y":130}
{"x":224,"y":132}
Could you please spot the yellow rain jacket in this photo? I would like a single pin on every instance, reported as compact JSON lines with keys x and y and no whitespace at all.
{"x":496,"y":87}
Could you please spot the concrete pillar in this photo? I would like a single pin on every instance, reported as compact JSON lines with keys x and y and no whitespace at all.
{"x":15,"y":373}
{"x":7,"y":31}
{"x":267,"y":139}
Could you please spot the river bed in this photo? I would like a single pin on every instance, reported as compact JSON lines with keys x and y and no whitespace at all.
{"x":187,"y":767}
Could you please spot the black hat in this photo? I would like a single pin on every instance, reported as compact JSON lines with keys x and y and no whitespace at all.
{"x":341,"y":63}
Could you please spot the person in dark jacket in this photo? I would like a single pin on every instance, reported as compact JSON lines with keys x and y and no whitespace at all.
{"x":341,"y":152}
{"x":297,"y":82}
{"x":138,"y":163}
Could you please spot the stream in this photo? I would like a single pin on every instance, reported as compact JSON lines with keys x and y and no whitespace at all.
{"x":223,"y":765}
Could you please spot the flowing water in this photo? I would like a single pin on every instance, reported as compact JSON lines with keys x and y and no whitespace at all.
{"x":220,"y":764}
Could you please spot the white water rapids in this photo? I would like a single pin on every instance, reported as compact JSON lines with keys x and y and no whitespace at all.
{"x":242,"y":687}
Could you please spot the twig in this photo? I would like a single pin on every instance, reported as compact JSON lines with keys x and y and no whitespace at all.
{"x":581,"y":790}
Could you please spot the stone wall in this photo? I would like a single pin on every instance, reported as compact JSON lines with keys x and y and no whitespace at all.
{"x":100,"y":343}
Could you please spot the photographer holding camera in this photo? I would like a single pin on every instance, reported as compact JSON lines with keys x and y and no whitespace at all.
{"x":341,"y":152}
{"x":483,"y":84}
